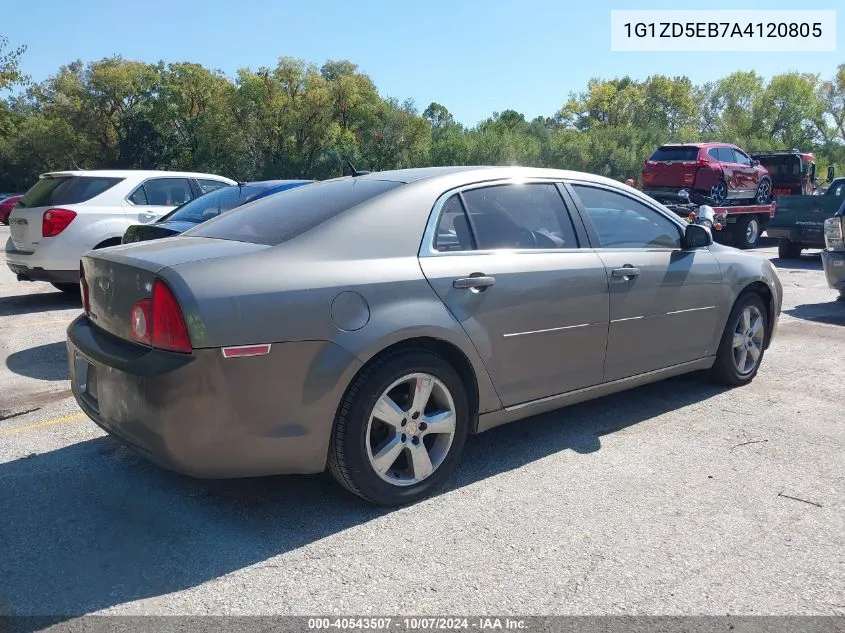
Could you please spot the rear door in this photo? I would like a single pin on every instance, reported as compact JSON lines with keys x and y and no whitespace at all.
{"x":59,"y":190}
{"x":731,"y":169}
{"x":507,"y":261}
{"x":671,"y":166}
{"x":155,"y":197}
{"x":663,"y":300}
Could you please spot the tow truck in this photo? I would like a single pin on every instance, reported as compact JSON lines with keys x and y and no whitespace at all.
{"x":741,"y":225}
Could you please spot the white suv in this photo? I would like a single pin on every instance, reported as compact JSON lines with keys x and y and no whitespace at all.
{"x":68,"y":213}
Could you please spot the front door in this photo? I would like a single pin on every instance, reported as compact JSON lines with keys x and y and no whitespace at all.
{"x":663,"y":300}
{"x":534,"y":304}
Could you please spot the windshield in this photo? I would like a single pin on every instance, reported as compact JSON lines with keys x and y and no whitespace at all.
{"x":207,"y":206}
{"x":276,"y":219}
{"x":783,"y":168}
{"x":56,"y":190}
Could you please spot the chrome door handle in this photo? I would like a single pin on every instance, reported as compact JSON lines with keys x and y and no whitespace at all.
{"x":626,"y":272}
{"x":481,"y":281}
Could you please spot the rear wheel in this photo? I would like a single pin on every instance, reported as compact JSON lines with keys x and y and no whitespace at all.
{"x":72,"y":290}
{"x":787,"y":249}
{"x":746,"y":231}
{"x":719,"y":192}
{"x":400,"y":429}
{"x":741,"y":349}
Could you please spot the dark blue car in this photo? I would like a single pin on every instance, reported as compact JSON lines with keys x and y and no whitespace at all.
{"x":207,"y":206}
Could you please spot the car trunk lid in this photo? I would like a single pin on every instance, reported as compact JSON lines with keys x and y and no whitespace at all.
{"x":672,"y":166}
{"x":120,"y":276}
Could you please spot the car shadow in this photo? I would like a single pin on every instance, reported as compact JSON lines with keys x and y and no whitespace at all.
{"x":37,"y":302}
{"x":43,"y":362}
{"x":807,"y":261}
{"x":832,"y":313}
{"x":93,"y":525}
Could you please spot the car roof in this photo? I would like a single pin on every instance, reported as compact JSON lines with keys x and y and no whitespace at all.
{"x":706,"y":145}
{"x":138,"y":173}
{"x":479,"y":172}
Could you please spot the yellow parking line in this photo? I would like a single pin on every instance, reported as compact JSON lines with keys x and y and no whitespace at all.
{"x":65,"y":419}
{"x":44,"y":322}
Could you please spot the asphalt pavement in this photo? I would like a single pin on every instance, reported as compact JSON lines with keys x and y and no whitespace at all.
{"x":678,"y":498}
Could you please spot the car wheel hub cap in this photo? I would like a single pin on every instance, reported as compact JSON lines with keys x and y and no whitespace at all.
{"x":411,"y":429}
{"x":751,"y":231}
{"x":749,"y":335}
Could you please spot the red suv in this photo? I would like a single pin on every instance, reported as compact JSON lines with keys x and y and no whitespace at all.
{"x":718,"y":170}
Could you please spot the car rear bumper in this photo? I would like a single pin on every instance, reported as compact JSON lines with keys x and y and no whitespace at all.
{"x":834,"y":268}
{"x":35,"y":266}
{"x":209,"y":417}
{"x":794,"y":235}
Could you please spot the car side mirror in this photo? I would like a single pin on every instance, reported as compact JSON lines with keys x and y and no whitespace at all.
{"x":755,"y":162}
{"x":831,"y":173}
{"x":696,"y":235}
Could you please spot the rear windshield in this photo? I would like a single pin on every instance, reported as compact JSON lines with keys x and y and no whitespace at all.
{"x":786,"y":168}
{"x":276,"y":219}
{"x":688,"y":154}
{"x":51,"y":190}
{"x":213,"y":203}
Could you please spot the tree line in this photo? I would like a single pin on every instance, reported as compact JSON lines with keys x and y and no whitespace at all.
{"x":300,"y":120}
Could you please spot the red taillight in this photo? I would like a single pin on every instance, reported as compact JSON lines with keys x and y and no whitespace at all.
{"x":83,"y":289}
{"x":168,"y":326}
{"x":55,"y":221}
{"x":703,"y":162}
{"x":158,"y":321}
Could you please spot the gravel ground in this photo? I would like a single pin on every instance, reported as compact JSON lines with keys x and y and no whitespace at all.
{"x":677,"y":498}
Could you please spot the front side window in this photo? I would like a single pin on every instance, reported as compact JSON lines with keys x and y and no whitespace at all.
{"x":741,"y":158}
{"x":623,"y":222}
{"x":507,"y":217}
{"x":210,"y":185}
{"x":162,"y":192}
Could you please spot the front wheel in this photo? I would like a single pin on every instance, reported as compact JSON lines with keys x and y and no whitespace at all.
{"x":764,"y":192}
{"x":742,"y":346}
{"x":400,"y":429}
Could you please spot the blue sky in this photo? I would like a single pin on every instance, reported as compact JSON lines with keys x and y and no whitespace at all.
{"x":472,"y":56}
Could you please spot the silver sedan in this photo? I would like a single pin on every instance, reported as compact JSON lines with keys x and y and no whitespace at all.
{"x":367,"y":324}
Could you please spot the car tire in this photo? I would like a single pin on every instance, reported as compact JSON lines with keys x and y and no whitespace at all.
{"x":841,"y":296}
{"x":747,"y":231}
{"x":733,"y":366}
{"x":787,"y":249}
{"x":718,"y":193}
{"x":72,"y":290}
{"x":358,"y":433}
{"x":764,"y":192}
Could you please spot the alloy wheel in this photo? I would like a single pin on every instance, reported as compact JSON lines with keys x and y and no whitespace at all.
{"x":764,"y":192}
{"x":411,"y":429}
{"x":719,"y":192}
{"x":749,"y":335}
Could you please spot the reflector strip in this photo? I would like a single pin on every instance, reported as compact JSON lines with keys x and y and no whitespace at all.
{"x":245,"y":350}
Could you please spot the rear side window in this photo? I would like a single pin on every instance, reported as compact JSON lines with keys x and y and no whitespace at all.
{"x":51,"y":191}
{"x":162,"y":192}
{"x":679,"y":153}
{"x":275,"y":219}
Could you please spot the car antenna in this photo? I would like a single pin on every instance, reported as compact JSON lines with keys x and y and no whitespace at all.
{"x":75,"y":166}
{"x":232,"y":175}
{"x":355,"y":172}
